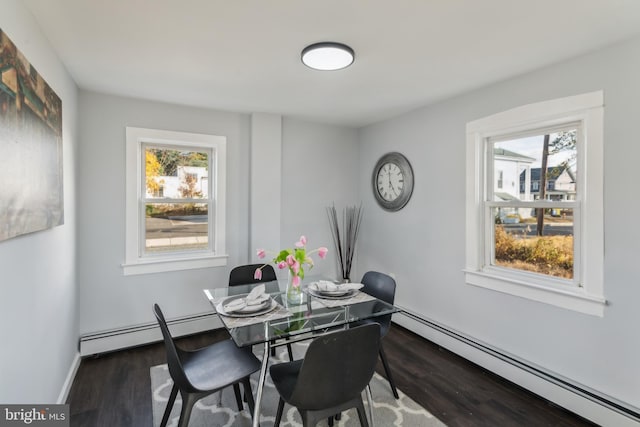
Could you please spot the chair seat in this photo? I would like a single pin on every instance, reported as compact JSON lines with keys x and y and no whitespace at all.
{"x":335,"y":370}
{"x":225,"y":358}
{"x":199,"y":373}
{"x":284,"y":376}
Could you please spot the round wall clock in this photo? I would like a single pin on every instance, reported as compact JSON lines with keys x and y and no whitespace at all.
{"x":392,"y":181}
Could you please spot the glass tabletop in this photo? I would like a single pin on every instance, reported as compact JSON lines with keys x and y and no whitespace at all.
{"x":288,"y":320}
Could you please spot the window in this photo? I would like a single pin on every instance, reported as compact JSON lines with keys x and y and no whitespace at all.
{"x":545,"y":242}
{"x":159,"y":191}
{"x":175,"y":201}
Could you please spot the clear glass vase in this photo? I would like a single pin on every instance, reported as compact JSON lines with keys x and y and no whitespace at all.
{"x":294,"y":293}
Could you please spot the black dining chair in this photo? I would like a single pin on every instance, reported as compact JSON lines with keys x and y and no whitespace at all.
{"x":383,"y":287}
{"x":197,"y":374}
{"x":244,"y":275}
{"x":336,"y":368}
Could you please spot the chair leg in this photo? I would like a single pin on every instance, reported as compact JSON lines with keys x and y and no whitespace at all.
{"x":276,"y":423}
{"x":167,"y":411}
{"x":387,"y":370}
{"x":188,"y":400}
{"x":361,"y":414}
{"x":248,"y":394}
{"x":236,"y":391}
{"x":290,"y":351}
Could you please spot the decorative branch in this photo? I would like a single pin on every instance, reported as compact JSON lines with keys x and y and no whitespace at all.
{"x":345,"y":243}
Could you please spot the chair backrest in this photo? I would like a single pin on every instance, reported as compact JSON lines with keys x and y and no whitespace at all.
{"x":173,"y":359}
{"x":383,"y":287}
{"x":243,"y":274}
{"x":379,"y":285}
{"x":337,"y":367}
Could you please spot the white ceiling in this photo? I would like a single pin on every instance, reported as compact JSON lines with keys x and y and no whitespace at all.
{"x":244,"y":55}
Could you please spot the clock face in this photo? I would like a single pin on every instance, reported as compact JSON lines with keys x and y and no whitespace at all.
{"x":392,"y":181}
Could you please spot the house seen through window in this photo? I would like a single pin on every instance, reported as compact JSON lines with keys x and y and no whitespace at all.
{"x":526,"y":235}
{"x":175,"y":201}
{"x":534,"y":215}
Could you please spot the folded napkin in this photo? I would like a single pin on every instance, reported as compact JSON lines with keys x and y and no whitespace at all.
{"x":257,"y":296}
{"x":327,"y":286}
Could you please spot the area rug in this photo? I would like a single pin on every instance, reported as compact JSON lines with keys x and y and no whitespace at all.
{"x":220,"y":409}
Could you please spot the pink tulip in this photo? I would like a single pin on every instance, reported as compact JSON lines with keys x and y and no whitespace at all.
{"x":295,"y":268}
{"x":322,"y":252}
{"x":258,"y":274}
{"x":282,"y":265}
{"x":290,"y":260}
{"x":302,"y":242}
{"x":261,"y":253}
{"x":296,"y":281}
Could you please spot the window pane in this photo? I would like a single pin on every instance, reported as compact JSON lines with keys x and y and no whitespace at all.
{"x":518,"y":245}
{"x":518,"y":166}
{"x":176,"y":227}
{"x":176,"y":174}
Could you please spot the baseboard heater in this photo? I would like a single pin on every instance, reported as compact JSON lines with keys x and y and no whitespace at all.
{"x":132,"y":336}
{"x":581,"y":390}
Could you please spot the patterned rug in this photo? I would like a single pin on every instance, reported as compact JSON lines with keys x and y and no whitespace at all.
{"x":220,"y":409}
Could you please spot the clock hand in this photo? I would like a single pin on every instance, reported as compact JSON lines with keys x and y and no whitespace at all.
{"x":393,"y":188}
{"x":388,"y":181}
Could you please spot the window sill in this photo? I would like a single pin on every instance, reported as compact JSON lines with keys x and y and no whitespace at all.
{"x":160,"y":265}
{"x":571,"y":298}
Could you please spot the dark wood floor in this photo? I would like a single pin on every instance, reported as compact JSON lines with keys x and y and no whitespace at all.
{"x":114,"y":390}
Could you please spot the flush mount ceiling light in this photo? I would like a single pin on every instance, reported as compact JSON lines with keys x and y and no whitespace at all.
{"x":327,"y":56}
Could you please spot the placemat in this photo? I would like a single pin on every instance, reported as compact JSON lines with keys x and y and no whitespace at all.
{"x":331,"y":303}
{"x":237,"y":322}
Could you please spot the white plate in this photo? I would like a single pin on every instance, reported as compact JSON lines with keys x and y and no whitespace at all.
{"x":338,"y":292}
{"x":342,"y":295}
{"x":249,"y":311}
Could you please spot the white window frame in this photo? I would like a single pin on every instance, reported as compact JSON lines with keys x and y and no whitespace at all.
{"x":136,"y":262}
{"x":586,"y":295}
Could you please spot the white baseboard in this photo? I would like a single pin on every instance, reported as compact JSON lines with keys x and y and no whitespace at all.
{"x":602,"y":410}
{"x":68,"y":382}
{"x":117,"y":339}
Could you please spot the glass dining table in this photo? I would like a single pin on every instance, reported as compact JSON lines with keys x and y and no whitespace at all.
{"x":289,"y":322}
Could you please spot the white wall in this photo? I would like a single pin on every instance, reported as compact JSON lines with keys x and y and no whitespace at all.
{"x":38,"y":307}
{"x":424,"y":244}
{"x":266,"y":181}
{"x":319,"y":168}
{"x":109,"y":300}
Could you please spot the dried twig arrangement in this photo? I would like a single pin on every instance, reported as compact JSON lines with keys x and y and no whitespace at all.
{"x":345,"y":243}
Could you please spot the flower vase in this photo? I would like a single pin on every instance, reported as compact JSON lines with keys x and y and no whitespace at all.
{"x":294,"y":293}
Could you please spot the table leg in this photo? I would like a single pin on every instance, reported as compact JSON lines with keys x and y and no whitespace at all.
{"x":370,"y":403}
{"x":263,"y":376}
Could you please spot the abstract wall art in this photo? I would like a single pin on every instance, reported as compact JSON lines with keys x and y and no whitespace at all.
{"x":31,"y":190}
